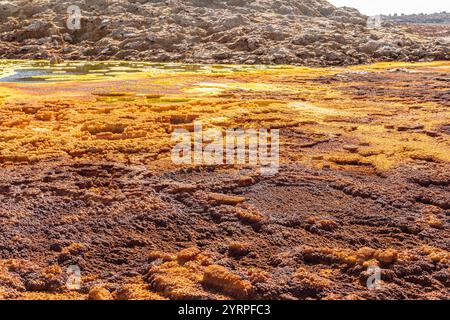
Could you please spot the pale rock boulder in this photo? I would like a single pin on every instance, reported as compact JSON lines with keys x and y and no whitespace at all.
{"x":8,"y":9}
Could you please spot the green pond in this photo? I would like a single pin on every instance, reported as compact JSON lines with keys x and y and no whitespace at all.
{"x":41,"y":71}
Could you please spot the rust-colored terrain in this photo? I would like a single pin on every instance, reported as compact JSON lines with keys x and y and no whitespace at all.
{"x":86,"y":179}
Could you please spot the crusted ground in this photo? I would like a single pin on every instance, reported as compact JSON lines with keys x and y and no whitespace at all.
{"x":86,"y":179}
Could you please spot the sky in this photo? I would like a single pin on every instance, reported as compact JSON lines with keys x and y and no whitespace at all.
{"x":374,"y":7}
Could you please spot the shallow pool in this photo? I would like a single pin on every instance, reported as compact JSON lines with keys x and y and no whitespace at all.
{"x":43,"y":71}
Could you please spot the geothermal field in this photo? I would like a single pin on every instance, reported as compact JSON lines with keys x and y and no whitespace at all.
{"x":351,"y":199}
{"x":87,"y":180}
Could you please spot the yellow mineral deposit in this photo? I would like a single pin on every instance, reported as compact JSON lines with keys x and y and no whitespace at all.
{"x":47,"y":115}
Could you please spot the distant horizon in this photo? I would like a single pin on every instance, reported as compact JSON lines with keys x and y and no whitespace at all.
{"x":386,"y":7}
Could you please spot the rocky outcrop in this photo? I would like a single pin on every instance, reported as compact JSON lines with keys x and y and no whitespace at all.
{"x":311,"y":32}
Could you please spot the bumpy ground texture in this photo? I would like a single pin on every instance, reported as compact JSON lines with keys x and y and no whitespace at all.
{"x":86,"y":179}
{"x":306,"y":32}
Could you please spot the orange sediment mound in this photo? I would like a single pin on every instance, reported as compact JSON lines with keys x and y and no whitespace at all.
{"x":221,"y":278}
{"x":193,"y":275}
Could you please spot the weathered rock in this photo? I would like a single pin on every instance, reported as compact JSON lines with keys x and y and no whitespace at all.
{"x":207,"y":31}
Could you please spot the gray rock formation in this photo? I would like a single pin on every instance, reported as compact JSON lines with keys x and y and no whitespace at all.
{"x":311,"y":32}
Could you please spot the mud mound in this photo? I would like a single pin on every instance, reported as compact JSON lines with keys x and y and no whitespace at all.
{"x":309,"y":32}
